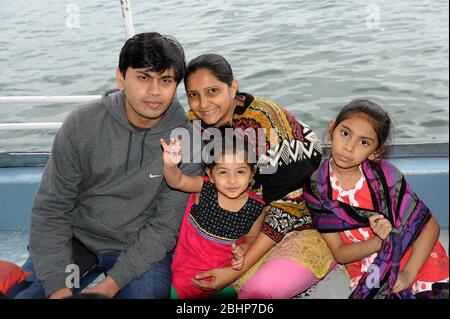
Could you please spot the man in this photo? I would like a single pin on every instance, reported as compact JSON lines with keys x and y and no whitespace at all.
{"x":103,"y":183}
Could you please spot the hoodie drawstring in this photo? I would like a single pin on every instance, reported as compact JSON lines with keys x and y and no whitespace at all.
{"x":130,"y":137}
{"x":142,"y":146}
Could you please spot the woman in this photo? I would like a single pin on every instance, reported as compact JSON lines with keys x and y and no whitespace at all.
{"x":287,"y":256}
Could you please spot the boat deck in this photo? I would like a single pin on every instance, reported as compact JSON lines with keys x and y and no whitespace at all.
{"x":333,"y":286}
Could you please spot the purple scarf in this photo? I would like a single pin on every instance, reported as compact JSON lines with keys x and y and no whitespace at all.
{"x":391,"y":197}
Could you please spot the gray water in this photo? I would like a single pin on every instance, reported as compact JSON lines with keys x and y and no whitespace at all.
{"x":311,"y":57}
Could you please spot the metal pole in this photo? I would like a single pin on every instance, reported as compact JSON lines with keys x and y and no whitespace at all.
{"x":29,"y":126}
{"x":127,"y":19}
{"x":48,"y":99}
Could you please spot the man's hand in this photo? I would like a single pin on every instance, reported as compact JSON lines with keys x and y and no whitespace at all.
{"x":61,"y":294}
{"x":380,"y":226}
{"x":107,"y":287}
{"x":239,"y":255}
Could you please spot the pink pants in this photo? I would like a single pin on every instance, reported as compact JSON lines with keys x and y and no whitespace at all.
{"x":279,"y":279}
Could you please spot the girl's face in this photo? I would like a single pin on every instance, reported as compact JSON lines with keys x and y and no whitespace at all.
{"x":210,"y":99}
{"x":353,"y":141}
{"x":231,"y":176}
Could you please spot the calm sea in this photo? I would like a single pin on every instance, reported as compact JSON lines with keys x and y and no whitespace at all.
{"x":311,"y":57}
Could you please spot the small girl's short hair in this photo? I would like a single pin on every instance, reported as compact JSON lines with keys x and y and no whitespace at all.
{"x":232,"y":145}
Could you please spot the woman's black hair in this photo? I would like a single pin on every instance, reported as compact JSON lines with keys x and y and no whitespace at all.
{"x":154,"y":51}
{"x":214,"y":63}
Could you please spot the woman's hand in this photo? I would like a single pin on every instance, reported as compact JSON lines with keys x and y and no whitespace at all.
{"x":215,"y":279}
{"x":380,"y":226}
{"x":239,"y":255}
{"x":403,"y":282}
{"x":172,"y":152}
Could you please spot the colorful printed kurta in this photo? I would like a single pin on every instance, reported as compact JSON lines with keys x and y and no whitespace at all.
{"x":392,"y":197}
{"x":288,"y":152}
{"x":206,"y":236}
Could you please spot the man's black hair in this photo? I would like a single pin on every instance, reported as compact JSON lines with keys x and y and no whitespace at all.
{"x":154,"y":51}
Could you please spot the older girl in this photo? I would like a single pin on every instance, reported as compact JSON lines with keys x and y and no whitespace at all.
{"x":370,"y":218}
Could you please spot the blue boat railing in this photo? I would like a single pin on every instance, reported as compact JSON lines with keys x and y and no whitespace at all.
{"x":424,"y":163}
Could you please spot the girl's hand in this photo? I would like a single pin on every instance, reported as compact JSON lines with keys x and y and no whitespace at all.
{"x":380,"y":226}
{"x":403,"y":282}
{"x":214,"y":279}
{"x":239,"y":255}
{"x":61,"y":294}
{"x":172,"y":152}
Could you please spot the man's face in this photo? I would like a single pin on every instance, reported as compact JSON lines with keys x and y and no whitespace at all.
{"x":148,"y":94}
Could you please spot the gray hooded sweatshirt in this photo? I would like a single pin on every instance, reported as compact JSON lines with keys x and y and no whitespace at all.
{"x":104,"y":184}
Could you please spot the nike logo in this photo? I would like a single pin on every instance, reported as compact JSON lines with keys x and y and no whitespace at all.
{"x":153,"y":176}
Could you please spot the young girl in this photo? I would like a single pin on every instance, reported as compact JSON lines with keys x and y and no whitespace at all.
{"x":365,"y":210}
{"x":221,"y":213}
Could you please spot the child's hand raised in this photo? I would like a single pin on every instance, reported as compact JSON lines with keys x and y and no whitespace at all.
{"x":380,"y":226}
{"x":172,"y":152}
{"x":238,"y":260}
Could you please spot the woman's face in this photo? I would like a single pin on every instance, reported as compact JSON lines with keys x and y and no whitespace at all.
{"x":210,"y":99}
